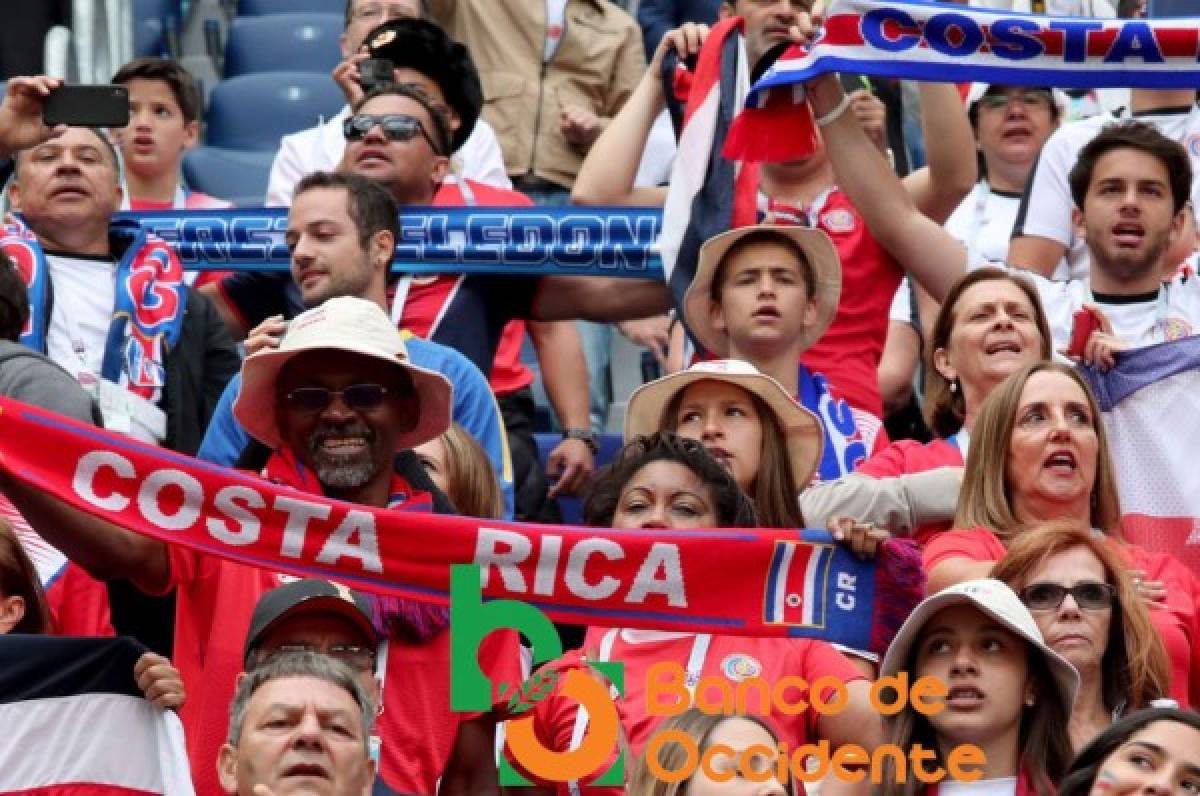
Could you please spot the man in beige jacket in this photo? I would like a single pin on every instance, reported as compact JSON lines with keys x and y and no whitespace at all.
{"x":554,"y":72}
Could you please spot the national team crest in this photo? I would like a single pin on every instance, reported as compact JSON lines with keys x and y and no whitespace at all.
{"x":739,"y":666}
{"x":838,"y":220}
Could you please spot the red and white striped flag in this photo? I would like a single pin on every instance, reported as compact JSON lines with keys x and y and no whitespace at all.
{"x":1151,"y":402}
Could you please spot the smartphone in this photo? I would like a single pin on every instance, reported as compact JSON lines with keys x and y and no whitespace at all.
{"x":87,"y":106}
{"x":375,"y":72}
{"x":1160,"y":9}
{"x":1083,"y":323}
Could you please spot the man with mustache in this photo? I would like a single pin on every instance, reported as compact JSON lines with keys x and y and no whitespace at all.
{"x":108,"y":302}
{"x":340,"y":405}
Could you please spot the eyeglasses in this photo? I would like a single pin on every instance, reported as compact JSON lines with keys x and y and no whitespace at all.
{"x":396,"y":127}
{"x":359,"y":397}
{"x":360,"y":659}
{"x":1033,"y":98}
{"x":1089,"y":595}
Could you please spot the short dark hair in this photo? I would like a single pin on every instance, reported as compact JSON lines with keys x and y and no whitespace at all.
{"x":14,"y":300}
{"x":108,"y":145}
{"x":1143,"y":138}
{"x":368,"y":203}
{"x":761,"y":236}
{"x":1081,"y":775}
{"x":179,"y":80}
{"x":733,"y":507}
{"x":441,"y":125}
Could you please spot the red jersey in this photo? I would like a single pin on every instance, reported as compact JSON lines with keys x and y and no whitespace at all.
{"x":214,"y":602}
{"x":1177,"y":621}
{"x":509,"y":373}
{"x":731,"y":659}
{"x":430,"y":297}
{"x":849,"y":351}
{"x":907,"y":456}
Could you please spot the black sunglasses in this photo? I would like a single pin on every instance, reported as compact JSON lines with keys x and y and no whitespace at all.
{"x":1089,"y":595}
{"x":359,"y":397}
{"x":396,"y":127}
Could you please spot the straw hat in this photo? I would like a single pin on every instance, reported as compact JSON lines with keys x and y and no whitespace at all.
{"x":997,"y":601}
{"x":803,"y":435}
{"x":346,"y":324}
{"x":826,"y":267}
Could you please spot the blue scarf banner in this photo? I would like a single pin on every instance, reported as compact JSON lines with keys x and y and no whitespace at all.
{"x":539,"y":241}
{"x":943,"y":42}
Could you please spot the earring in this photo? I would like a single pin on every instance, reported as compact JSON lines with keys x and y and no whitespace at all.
{"x":954,"y":386}
{"x":1030,"y":701}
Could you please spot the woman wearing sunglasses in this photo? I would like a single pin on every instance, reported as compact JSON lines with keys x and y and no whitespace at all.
{"x":1088,"y":610}
{"x":1039,"y":452}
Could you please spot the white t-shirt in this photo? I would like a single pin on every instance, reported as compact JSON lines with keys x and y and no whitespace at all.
{"x":321,"y":148}
{"x":1046,"y":208}
{"x":983,"y":221}
{"x":1061,"y":8}
{"x":1000,"y":786}
{"x":84,"y":296}
{"x":556,"y":20}
{"x":1171,"y":313}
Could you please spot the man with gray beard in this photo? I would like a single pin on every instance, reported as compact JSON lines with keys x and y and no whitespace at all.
{"x":341,"y":406}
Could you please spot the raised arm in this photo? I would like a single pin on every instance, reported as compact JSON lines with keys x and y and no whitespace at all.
{"x":564,"y":372}
{"x":920,"y":245}
{"x":21,"y":125}
{"x":592,"y":298}
{"x":950,"y":149}
{"x":608,"y":171}
{"x":104,"y":550}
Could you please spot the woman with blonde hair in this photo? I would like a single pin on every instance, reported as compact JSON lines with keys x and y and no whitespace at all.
{"x":460,"y":467}
{"x":738,"y":733}
{"x":1040,"y":452}
{"x":1089,"y":612}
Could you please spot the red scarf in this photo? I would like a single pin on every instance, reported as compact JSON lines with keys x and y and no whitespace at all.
{"x":410,"y":620}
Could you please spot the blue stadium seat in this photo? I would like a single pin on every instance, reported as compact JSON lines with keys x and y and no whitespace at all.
{"x":572,"y":507}
{"x":253,"y":111}
{"x":151,"y":19}
{"x":283,"y":42}
{"x":235,"y":175}
{"x":255,"y":8}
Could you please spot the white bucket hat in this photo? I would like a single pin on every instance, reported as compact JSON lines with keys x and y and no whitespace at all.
{"x":822,"y":257}
{"x":996,"y":600}
{"x":340,"y":324}
{"x":803,"y":435}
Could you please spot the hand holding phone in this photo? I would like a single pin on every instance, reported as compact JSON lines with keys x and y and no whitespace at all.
{"x":87,"y":106}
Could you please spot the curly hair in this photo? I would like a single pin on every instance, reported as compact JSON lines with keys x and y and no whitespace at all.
{"x":733,"y":508}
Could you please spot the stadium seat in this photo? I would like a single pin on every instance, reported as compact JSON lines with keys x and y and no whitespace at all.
{"x":255,"y":8}
{"x":151,"y":19}
{"x":283,"y":42}
{"x":235,"y":175}
{"x":572,"y":507}
{"x":253,"y":111}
